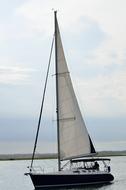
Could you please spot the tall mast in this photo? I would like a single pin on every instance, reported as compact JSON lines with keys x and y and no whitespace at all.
{"x":57,"y":97}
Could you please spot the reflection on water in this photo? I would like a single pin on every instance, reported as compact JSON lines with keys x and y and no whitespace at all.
{"x":91,"y":187}
{"x":108,"y":186}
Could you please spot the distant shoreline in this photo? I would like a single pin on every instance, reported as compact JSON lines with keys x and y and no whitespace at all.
{"x":54,"y":155}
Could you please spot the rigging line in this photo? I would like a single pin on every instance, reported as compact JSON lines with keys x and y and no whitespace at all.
{"x":41,"y":110}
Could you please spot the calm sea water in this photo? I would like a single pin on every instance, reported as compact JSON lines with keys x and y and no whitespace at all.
{"x":12,"y":174}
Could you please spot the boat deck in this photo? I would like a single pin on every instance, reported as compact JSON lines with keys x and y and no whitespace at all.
{"x":71,"y":172}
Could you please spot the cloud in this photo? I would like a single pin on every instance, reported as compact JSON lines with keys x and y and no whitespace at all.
{"x":104,"y":95}
{"x":39,"y":17}
{"x":14,"y":75}
{"x":87,"y":37}
{"x":93,"y":34}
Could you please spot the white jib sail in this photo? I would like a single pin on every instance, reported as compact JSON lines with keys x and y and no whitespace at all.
{"x":73,"y":135}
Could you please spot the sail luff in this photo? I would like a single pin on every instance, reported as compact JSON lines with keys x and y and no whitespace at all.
{"x":57,"y":95}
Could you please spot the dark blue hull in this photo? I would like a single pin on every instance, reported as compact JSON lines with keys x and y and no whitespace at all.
{"x":53,"y":180}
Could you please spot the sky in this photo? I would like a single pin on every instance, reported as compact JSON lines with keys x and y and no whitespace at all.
{"x":94,"y":40}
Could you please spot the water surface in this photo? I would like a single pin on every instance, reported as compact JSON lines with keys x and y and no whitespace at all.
{"x":12,"y":174}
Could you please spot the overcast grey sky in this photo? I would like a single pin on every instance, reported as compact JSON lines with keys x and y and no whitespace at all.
{"x":94,"y":40}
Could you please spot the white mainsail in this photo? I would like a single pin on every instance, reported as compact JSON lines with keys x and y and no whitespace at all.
{"x":74,"y":140}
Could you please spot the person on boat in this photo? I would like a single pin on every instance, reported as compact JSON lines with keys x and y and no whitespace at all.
{"x":96,"y":166}
{"x":109,"y":169}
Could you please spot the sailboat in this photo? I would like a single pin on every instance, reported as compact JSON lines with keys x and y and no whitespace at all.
{"x":75,"y":146}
